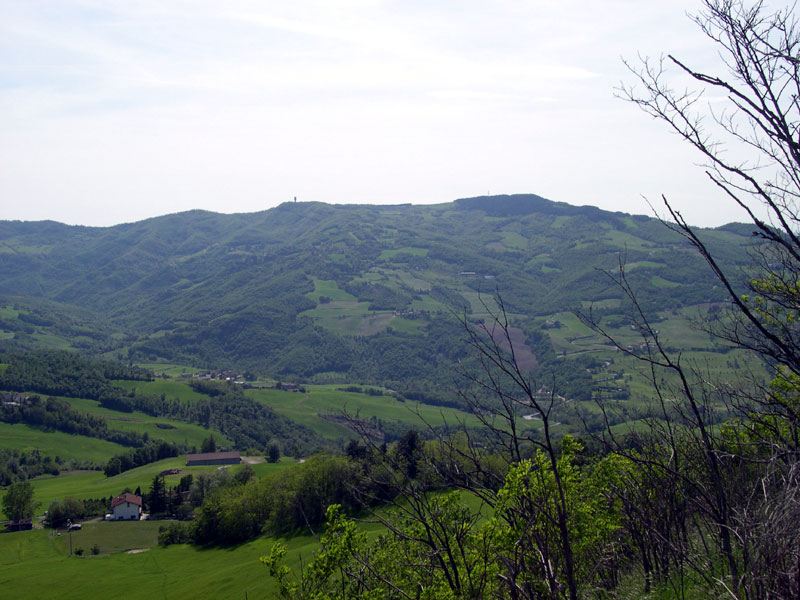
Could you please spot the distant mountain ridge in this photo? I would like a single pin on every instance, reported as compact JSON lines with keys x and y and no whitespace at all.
{"x":334,"y":292}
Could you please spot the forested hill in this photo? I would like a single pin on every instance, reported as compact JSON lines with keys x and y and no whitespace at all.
{"x":334,"y":292}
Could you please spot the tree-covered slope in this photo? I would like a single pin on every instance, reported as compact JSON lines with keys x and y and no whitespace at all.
{"x":334,"y":292}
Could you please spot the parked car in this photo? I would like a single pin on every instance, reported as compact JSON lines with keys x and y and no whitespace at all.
{"x":75,"y":527}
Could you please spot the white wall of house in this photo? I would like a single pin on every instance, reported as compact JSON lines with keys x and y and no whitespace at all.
{"x":126,"y":511}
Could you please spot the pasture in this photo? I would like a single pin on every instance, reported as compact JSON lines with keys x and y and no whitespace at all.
{"x":327,"y":399}
{"x":170,"y":430}
{"x":170,"y":370}
{"x":34,"y":566}
{"x":170,"y":388}
{"x":56,"y":443}
{"x":94,"y":484}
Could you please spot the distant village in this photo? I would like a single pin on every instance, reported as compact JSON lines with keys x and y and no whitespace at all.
{"x":238,"y":378}
{"x":224,"y":375}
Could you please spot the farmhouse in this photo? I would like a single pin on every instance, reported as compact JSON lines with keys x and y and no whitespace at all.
{"x":213,"y":458}
{"x":127,"y":507}
{"x":14,"y":399}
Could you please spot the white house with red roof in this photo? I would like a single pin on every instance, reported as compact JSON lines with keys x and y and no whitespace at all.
{"x":127,"y":507}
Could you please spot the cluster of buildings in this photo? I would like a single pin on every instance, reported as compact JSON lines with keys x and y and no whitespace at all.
{"x":14,"y":398}
{"x":224,"y":375}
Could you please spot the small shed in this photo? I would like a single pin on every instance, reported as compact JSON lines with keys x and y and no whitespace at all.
{"x":127,"y":507}
{"x":20,"y":525}
{"x":214,"y":458}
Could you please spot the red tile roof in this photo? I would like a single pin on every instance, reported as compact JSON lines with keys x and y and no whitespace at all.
{"x":132,"y":498}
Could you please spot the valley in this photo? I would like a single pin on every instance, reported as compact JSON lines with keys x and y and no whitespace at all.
{"x":328,"y":345}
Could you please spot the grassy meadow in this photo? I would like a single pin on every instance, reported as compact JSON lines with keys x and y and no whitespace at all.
{"x":306,"y":407}
{"x":56,"y":443}
{"x":170,"y":388}
{"x":170,"y":430}
{"x":94,"y":484}
{"x":36,"y":565}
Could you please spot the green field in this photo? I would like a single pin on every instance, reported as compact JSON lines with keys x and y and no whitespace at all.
{"x":659,"y":282}
{"x":56,"y":443}
{"x":8,"y":312}
{"x":171,"y":370}
{"x":328,"y":288}
{"x":109,"y":536}
{"x":389,"y":254}
{"x":170,"y":388}
{"x":406,"y":325}
{"x":512,"y":239}
{"x":33,"y":565}
{"x":326,"y":399}
{"x":177,"y":432}
{"x":94,"y":484}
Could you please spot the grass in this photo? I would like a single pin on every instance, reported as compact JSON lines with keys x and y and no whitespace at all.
{"x":623,"y":239}
{"x":36,"y":564}
{"x":328,"y":287}
{"x":429,"y":304}
{"x":170,"y":388}
{"x":51,"y":342}
{"x":178,"y":432}
{"x":326,"y":399}
{"x":406,"y":325}
{"x":8,"y":312}
{"x":33,"y":566}
{"x":111,"y":537}
{"x":480,"y":304}
{"x":56,"y":443}
{"x":659,"y":282}
{"x":389,"y":254}
{"x":512,"y":239}
{"x":409,"y":280}
{"x":94,"y":484}
{"x":601,"y":304}
{"x":168,"y":369}
{"x":350,"y":318}
{"x":644,"y":263}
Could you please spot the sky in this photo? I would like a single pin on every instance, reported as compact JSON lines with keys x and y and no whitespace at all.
{"x":116,"y":111}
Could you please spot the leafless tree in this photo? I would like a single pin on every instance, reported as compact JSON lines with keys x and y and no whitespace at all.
{"x":743,"y":481}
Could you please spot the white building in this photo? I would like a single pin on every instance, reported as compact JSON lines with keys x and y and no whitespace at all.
{"x":127,"y":507}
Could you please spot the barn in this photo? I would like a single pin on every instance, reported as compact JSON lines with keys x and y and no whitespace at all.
{"x":213,"y":458}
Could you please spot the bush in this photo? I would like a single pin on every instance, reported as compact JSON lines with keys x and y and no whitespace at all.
{"x":62,"y":511}
{"x":175,"y":533}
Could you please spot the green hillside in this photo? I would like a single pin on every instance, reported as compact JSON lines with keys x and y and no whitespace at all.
{"x":338,"y":294}
{"x":35,"y":565}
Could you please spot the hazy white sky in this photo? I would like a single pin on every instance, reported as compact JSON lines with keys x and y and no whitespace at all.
{"x":117,"y":110}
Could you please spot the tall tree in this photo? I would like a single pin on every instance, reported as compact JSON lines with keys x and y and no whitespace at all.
{"x":209,"y":444}
{"x":157,"y":498}
{"x":18,"y":501}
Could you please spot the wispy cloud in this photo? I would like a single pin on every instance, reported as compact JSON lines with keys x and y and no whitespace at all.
{"x":230,"y":105}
